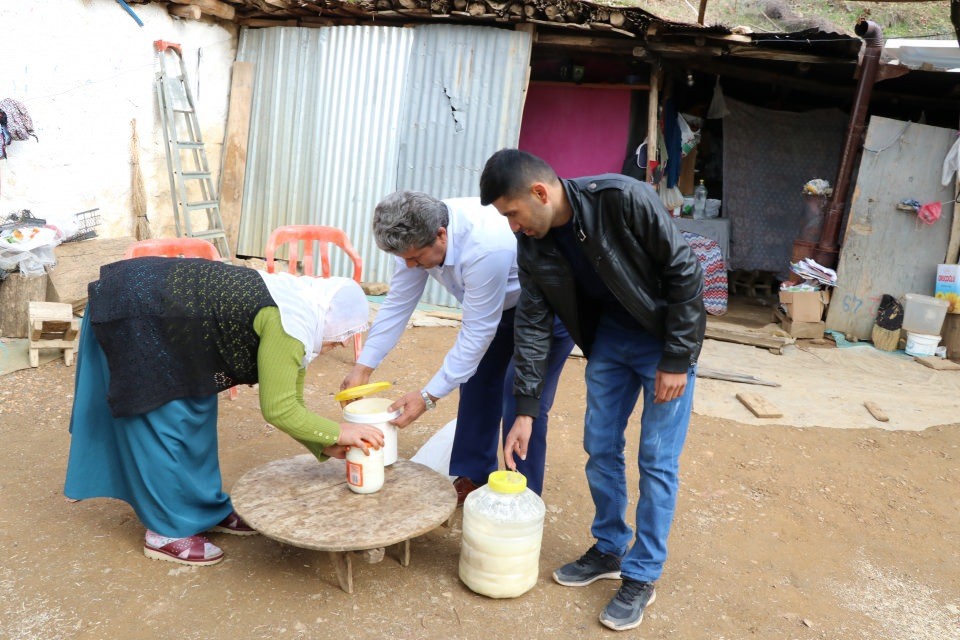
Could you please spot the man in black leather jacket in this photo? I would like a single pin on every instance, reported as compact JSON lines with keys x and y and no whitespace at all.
{"x":603,"y":254}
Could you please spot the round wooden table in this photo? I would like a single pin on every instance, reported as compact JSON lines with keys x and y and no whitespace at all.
{"x":307,"y":503}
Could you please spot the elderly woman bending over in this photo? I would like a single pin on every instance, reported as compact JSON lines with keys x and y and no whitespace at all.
{"x":161,"y":337}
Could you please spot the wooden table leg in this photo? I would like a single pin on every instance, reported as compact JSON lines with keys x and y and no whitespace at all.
{"x":343,"y":564}
{"x":403,"y":553}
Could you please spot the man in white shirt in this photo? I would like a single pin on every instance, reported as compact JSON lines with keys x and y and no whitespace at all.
{"x":470,"y":250}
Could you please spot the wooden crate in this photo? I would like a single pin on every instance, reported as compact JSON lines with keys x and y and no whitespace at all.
{"x":52,"y":326}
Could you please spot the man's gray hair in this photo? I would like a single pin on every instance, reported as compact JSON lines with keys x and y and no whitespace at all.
{"x":407,"y":220}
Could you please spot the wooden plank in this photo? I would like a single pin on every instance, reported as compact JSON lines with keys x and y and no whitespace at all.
{"x":953,"y":248}
{"x":187,"y":11}
{"x":234,"y":158}
{"x":653,"y":108}
{"x":445,"y":315}
{"x":211,"y":7}
{"x":16,"y":294}
{"x":732,"y":376}
{"x":343,"y":565}
{"x":940,"y":364}
{"x":876,"y":411}
{"x":885,"y":250}
{"x":764,"y":341}
{"x":50,"y":311}
{"x":950,"y":335}
{"x":78,"y":264}
{"x":50,"y":329}
{"x":759,"y":406}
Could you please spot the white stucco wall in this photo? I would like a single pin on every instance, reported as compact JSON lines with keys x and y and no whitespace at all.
{"x":84,"y":69}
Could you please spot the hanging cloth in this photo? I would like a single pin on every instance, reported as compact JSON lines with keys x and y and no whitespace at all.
{"x":718,"y":106}
{"x":671,"y":136}
{"x":19,"y":124}
{"x":951,"y":163}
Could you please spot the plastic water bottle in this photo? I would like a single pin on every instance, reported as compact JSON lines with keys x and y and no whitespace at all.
{"x":502,"y":530}
{"x":700,"y":202}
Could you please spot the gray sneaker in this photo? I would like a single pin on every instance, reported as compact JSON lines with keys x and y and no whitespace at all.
{"x":590,"y":567}
{"x":626,"y":609}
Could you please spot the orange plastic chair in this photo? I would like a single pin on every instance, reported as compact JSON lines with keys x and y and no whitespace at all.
{"x":173,"y":248}
{"x":308,"y":234}
{"x":176,"y":248}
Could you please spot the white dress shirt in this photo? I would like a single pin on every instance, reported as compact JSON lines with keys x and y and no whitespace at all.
{"x":479,"y":270}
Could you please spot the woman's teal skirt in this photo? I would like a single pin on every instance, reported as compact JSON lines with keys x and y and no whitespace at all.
{"x":163,"y":463}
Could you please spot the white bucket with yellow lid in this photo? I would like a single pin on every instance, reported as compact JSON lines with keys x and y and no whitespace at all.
{"x":372,"y":411}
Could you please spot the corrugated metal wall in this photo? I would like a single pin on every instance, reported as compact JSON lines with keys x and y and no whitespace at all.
{"x":464,"y":101}
{"x":345,"y":115}
{"x":323,"y":132}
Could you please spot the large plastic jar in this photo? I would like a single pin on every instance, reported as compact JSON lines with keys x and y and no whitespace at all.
{"x":375,"y":412}
{"x":502,"y":530}
{"x":364,"y":470}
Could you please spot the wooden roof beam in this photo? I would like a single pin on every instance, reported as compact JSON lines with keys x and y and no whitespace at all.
{"x":678,"y":49}
{"x":814,"y":87}
{"x":186,"y":11}
{"x":211,"y":7}
{"x":584,"y":41}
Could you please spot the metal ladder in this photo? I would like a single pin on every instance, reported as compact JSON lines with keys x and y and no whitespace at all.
{"x":184,"y":145}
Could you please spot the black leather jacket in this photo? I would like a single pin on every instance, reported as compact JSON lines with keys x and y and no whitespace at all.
{"x":628,"y":236}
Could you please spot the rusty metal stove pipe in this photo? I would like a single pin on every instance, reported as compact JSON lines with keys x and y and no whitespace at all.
{"x":828,"y":248}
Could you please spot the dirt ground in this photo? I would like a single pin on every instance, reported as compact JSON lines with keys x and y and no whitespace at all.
{"x":782,"y":531}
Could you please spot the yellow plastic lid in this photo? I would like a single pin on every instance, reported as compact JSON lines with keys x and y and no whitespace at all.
{"x":362,"y":390}
{"x":507,"y":481}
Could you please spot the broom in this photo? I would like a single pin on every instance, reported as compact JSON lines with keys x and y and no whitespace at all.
{"x":138,"y":194}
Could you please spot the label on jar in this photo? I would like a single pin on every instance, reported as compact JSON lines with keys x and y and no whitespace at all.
{"x":355,"y":473}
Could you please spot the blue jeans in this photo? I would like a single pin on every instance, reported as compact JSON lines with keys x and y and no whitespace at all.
{"x":487,"y":398}
{"x":622,"y":363}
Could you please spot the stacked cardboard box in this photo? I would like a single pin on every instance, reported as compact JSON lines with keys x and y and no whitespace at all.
{"x":804,"y":313}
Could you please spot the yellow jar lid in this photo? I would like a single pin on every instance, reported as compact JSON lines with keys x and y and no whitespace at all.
{"x":507,"y":481}
{"x":353,"y":393}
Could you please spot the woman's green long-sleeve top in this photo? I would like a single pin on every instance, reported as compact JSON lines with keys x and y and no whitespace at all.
{"x":281,"y":377}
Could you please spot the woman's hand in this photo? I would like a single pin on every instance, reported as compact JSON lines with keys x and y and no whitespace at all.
{"x":338,"y":451}
{"x":360,"y":435}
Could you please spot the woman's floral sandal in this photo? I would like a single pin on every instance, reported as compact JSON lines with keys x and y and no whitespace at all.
{"x":234,"y":525}
{"x":195,"y":550}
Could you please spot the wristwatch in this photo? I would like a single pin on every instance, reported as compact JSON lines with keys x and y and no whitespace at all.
{"x":427,"y":400}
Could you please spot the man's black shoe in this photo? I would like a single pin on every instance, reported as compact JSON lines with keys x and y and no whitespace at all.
{"x":590,"y":567}
{"x":626,"y":609}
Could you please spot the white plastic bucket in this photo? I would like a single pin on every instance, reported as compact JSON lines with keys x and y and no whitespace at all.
{"x":374,"y":411}
{"x":921,"y":344}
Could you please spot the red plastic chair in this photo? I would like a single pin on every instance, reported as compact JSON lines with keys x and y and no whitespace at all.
{"x":309,"y":234}
{"x":173,"y":248}
{"x":176,"y":248}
